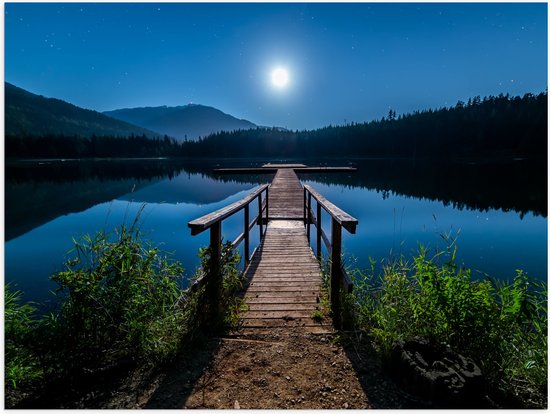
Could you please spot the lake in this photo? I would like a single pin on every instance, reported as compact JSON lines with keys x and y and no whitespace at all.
{"x":498,"y":214}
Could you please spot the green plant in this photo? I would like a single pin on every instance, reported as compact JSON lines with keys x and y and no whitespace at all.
{"x":227,"y":283}
{"x":120,"y":298}
{"x":502,"y":326}
{"x":317,"y":316}
{"x":21,"y":365}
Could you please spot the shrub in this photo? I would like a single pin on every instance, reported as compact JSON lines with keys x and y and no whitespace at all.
{"x":120,"y":298}
{"x":21,"y":365}
{"x":230,"y":281}
{"x":502,"y":326}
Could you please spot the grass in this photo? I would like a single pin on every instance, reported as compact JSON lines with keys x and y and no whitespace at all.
{"x":501,"y":326}
{"x":317,"y":316}
{"x":119,"y":299}
{"x":21,"y":365}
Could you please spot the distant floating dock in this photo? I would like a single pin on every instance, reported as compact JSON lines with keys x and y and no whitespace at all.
{"x":272,"y":168}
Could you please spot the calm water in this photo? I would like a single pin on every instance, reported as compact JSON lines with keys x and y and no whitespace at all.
{"x":46,"y":205}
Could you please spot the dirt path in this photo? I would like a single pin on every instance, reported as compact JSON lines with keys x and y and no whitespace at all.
{"x":275,"y":371}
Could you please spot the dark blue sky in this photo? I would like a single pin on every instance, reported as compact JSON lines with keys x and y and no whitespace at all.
{"x":346,"y":62}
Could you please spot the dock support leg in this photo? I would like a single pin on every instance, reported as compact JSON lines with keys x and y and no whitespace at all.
{"x":246,"y":235}
{"x":309,"y":211}
{"x":336,"y":272}
{"x":214,"y":283}
{"x":260,"y":216}
{"x":319,"y":229}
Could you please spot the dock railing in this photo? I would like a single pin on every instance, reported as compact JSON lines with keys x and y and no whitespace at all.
{"x":213,"y":222}
{"x":339,"y":218}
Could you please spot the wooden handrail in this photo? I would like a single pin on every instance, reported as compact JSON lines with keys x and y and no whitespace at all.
{"x":343,"y":218}
{"x":205,"y":222}
{"x":213,"y":221}
{"x":338,"y":275}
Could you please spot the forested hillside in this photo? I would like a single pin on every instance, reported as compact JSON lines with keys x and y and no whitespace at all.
{"x":28,"y":114}
{"x":500,"y":126}
{"x":493,"y":127}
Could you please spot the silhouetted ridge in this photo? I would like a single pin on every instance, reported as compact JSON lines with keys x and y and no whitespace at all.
{"x":30,"y":114}
{"x":182,"y":122}
{"x":495,"y":127}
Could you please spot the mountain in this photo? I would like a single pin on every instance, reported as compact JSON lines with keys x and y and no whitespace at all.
{"x":30,"y":114}
{"x":188,"y":121}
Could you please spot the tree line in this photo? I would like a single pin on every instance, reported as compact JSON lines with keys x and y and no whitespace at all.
{"x":490,"y":127}
{"x":493,"y":127}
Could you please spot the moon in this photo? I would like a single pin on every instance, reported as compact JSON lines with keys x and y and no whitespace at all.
{"x":279,"y":77}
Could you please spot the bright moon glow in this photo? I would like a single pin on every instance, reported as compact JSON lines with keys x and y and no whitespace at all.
{"x":279,"y":77}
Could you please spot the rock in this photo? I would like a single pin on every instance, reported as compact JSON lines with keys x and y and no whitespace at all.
{"x":438,"y":374}
{"x":346,"y":405}
{"x":236,"y":405}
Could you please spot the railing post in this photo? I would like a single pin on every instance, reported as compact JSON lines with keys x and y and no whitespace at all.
{"x":308,"y":216}
{"x":305,"y":206}
{"x":266,"y":206}
{"x":260,"y":215}
{"x":319,"y":251}
{"x":214,"y":282}
{"x":246,"y":234}
{"x":335,"y":271}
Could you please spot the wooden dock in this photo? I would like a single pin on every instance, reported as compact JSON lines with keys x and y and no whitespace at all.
{"x":272,"y":168}
{"x":286,"y":196}
{"x":284,"y":274}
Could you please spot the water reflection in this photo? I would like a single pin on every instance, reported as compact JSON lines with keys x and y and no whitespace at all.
{"x":398,"y":203}
{"x":39,"y":192}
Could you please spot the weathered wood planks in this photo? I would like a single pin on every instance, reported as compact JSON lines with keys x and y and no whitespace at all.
{"x":284,"y":276}
{"x":272,"y":168}
{"x":286,"y":199}
{"x":284,"y":280}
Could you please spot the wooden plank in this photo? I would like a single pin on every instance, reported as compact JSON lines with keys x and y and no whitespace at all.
{"x":276,"y":300}
{"x":282,"y":297}
{"x":286,"y":323}
{"x":258,"y":331}
{"x":273,"y":165}
{"x":303,"y":289}
{"x":283,"y":306}
{"x":272,"y":168}
{"x":278,"y":314}
{"x":285,"y":278}
{"x":285,"y":196}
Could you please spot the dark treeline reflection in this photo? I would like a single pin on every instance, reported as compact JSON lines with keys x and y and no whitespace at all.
{"x":39,"y":192}
{"x":519,"y":186}
{"x":84,"y":171}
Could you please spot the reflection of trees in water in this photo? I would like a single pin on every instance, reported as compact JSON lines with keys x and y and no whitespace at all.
{"x":509,"y":186}
{"x":83,"y":171}
{"x":518,"y":186}
{"x":39,"y":192}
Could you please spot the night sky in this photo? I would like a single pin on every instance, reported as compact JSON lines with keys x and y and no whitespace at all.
{"x":344,"y":62}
